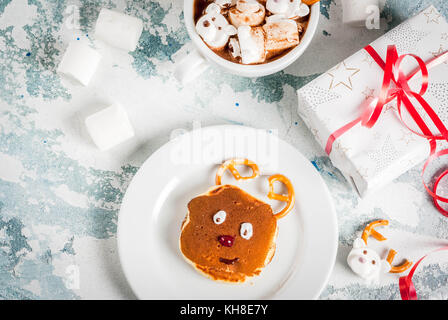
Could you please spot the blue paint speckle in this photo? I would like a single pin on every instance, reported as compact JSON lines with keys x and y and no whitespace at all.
{"x":77,"y":38}
{"x":237,"y":104}
{"x":28,"y":54}
{"x":68,"y":247}
{"x":325,"y":7}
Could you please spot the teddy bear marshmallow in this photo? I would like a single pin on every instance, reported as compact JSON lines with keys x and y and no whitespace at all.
{"x":214,"y":28}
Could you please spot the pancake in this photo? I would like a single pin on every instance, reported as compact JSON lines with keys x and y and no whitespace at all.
{"x":203,"y":241}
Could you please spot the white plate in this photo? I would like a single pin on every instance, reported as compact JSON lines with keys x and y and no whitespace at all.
{"x":155,"y":205}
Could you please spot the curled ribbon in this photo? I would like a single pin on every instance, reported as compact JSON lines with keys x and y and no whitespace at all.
{"x":372,"y":108}
{"x":407,"y":288}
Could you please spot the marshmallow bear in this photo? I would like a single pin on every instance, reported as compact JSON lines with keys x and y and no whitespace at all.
{"x":290,"y":9}
{"x":247,"y":13}
{"x":366,"y":262}
{"x":214,"y":28}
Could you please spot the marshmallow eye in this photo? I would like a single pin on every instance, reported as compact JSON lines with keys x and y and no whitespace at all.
{"x":206,"y":23}
{"x":219,"y":217}
{"x":364,"y":252}
{"x":246,"y":230}
{"x":374,"y":262}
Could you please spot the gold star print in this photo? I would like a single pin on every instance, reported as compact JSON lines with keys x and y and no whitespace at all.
{"x":432,"y":16}
{"x":344,"y":150}
{"x":363,"y":172}
{"x":368,"y":59}
{"x":342,"y":75}
{"x":368,"y":93}
{"x":377,"y":136}
{"x":315,"y":132}
{"x":439,"y":52}
{"x":407,"y":137}
{"x":391,"y":107}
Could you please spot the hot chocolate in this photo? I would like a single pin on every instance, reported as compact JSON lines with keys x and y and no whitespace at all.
{"x":251,"y":31}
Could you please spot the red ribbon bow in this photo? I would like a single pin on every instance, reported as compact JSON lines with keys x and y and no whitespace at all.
{"x":394,"y":75}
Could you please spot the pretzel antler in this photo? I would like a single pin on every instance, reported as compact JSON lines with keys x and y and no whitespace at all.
{"x":400,"y":268}
{"x":310,"y":2}
{"x":289,"y":199}
{"x":231,"y":163}
{"x":370,"y":231}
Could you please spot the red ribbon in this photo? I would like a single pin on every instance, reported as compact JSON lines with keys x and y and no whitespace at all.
{"x":407,"y":288}
{"x":372,"y":108}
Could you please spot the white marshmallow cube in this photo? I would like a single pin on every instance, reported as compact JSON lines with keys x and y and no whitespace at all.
{"x":280,"y":35}
{"x":109,"y":127}
{"x":356,"y":12}
{"x":252,"y":44}
{"x":119,"y":30}
{"x":79,"y":62}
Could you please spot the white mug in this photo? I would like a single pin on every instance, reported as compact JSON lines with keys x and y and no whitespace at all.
{"x":202,"y":57}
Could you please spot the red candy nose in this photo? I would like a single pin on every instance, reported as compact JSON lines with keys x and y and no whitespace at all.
{"x":226,"y":241}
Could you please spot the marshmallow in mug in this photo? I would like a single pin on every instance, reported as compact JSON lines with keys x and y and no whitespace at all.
{"x":214,"y":28}
{"x":252,"y":44}
{"x":247,"y":13}
{"x":281,"y":34}
{"x":234,"y":47}
{"x":366,"y":262}
{"x":225,"y":3}
{"x":289,"y":9}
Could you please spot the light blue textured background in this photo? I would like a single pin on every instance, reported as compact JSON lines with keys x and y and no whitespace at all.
{"x":60,"y":197}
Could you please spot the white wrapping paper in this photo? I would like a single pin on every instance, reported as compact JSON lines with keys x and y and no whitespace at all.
{"x":371,"y":158}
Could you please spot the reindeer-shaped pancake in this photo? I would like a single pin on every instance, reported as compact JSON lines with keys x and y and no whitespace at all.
{"x":229,"y":235}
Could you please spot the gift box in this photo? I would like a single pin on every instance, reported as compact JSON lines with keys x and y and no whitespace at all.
{"x":370,"y":158}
